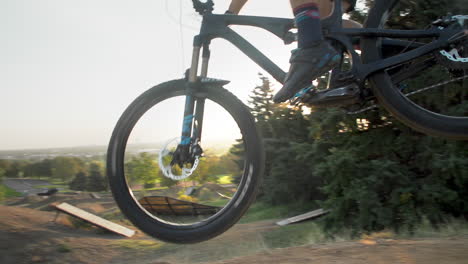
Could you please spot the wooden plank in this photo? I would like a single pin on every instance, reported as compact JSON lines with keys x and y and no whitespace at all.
{"x":302,"y":217}
{"x":94,"y":219}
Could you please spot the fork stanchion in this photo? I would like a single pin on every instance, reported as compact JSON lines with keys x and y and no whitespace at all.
{"x":194,"y":66}
{"x":205,"y":60}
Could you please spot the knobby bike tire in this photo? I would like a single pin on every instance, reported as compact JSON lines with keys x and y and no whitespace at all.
{"x":221,"y":221}
{"x":393,"y":100}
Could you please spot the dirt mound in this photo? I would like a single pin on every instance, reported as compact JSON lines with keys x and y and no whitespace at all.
{"x":83,"y":200}
{"x":30,"y":199}
{"x":30,"y":236}
{"x":18,"y":218}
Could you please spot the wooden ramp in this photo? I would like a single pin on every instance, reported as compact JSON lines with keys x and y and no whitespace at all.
{"x":94,"y":219}
{"x":162,"y":205}
{"x":303,"y":217}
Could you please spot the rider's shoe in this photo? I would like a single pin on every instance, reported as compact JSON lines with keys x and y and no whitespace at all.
{"x":306,"y":65}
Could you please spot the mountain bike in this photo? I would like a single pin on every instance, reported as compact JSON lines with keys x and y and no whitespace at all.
{"x":201,"y":189}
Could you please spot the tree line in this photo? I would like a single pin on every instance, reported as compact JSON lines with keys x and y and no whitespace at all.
{"x":84,"y":174}
{"x":80,"y":174}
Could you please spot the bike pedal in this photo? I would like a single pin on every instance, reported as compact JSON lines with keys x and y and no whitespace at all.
{"x":341,"y":96}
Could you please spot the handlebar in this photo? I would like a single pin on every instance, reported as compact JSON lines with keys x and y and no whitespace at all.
{"x":203,"y":8}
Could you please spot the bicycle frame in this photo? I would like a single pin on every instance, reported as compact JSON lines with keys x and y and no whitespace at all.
{"x":217,"y":26}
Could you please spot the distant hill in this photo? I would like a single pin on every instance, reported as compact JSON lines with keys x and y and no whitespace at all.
{"x":217,"y":148}
{"x":39,"y":154}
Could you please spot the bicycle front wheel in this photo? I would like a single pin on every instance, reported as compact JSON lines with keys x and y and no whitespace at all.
{"x":430,"y":93}
{"x":176,"y":204}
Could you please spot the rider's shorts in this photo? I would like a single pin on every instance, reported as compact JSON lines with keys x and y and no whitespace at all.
{"x":352,"y":4}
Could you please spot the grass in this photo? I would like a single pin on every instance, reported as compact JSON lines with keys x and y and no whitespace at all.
{"x":296,"y":235}
{"x":6,"y":192}
{"x":63,"y":248}
{"x":55,"y":181}
{"x":308,"y":232}
{"x":261,"y":211}
{"x":311,"y":232}
{"x":116,"y":216}
{"x":451,"y":227}
{"x":143,"y":245}
{"x":80,"y":224}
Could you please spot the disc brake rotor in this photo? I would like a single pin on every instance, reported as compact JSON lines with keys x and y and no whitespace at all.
{"x":164,"y":162}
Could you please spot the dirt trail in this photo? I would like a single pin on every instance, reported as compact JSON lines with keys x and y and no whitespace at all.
{"x":424,"y":251}
{"x":28,"y":236}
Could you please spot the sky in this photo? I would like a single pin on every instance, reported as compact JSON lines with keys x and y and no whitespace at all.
{"x":68,"y":69}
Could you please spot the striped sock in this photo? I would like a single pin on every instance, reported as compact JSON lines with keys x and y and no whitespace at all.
{"x":309,"y":28}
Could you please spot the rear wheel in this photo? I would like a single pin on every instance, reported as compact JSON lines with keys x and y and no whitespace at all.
{"x":191,"y":203}
{"x":433,"y":100}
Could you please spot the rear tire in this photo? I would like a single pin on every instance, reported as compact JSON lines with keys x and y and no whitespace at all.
{"x":216,"y":224}
{"x":411,"y":114}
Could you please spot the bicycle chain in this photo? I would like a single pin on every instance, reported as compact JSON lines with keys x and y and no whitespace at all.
{"x":452,"y":55}
{"x":410,"y":94}
{"x":460,"y":17}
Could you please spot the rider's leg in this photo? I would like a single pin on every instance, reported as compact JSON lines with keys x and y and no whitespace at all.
{"x":327,"y":7}
{"x":314,"y":55}
{"x":307,"y":18}
{"x":236,"y":6}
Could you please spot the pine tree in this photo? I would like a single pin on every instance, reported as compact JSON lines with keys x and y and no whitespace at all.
{"x":79,"y":183}
{"x":96,"y":181}
{"x":237,"y":150}
{"x":262,"y":106}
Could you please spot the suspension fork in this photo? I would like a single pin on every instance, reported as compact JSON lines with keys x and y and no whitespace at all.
{"x":194,"y":107}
